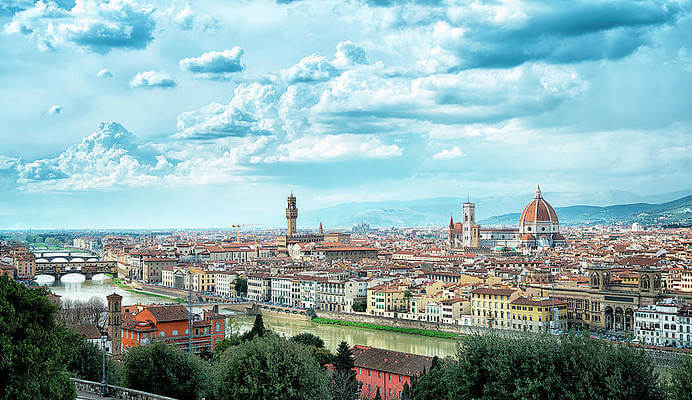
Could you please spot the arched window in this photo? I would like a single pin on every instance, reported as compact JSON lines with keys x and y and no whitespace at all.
{"x":162,"y":334}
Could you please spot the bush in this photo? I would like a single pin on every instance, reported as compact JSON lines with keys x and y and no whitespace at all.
{"x":309,"y":339}
{"x":166,"y":370}
{"x":541,"y":367}
{"x":680,"y":385}
{"x":269,"y":367}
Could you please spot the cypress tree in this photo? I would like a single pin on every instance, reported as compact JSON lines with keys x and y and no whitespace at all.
{"x":258,"y":327}
{"x":345,"y":369}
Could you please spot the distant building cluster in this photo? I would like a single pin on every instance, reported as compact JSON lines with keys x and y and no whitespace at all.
{"x":539,"y":277}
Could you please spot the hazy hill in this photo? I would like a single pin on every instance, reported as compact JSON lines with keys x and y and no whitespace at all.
{"x":492,"y":210}
{"x":676,"y":211}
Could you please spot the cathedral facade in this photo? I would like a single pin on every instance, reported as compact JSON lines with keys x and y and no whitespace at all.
{"x":538,"y":227}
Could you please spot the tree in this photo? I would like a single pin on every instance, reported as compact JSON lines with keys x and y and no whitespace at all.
{"x":680,"y":386}
{"x":309,"y":339}
{"x":87,"y":359}
{"x":406,"y":392}
{"x":257,"y":329}
{"x":164,"y":369}
{"x":539,"y":367}
{"x":225,"y":344}
{"x":33,"y":354}
{"x":241,"y":286}
{"x":360,"y":305}
{"x":344,"y":367}
{"x":377,"y":395}
{"x":269,"y":367}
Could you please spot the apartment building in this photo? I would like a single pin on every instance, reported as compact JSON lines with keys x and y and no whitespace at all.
{"x":490,"y":307}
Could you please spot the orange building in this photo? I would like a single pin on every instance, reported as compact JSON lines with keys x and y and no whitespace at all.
{"x":169,"y":323}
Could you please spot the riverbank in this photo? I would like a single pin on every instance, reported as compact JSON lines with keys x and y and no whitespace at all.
{"x":119,"y":283}
{"x":375,"y":327}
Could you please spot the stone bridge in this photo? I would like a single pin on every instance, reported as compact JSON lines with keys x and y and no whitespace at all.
{"x":86,"y":268}
{"x":45,"y":256}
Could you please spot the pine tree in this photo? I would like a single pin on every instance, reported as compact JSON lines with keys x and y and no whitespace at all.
{"x":344,"y":359}
{"x":346,"y":386}
{"x":406,"y":392}
{"x":258,"y":327}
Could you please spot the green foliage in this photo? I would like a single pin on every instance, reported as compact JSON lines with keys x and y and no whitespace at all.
{"x":269,"y":367}
{"x":541,"y":367}
{"x":241,"y":286}
{"x":166,"y":370}
{"x":33,"y":354}
{"x":406,"y":392}
{"x":360,"y":305}
{"x":309,"y":339}
{"x":225,"y":344}
{"x":257,"y":329}
{"x":87,"y":361}
{"x":346,"y":387}
{"x":411,"y":331}
{"x":378,"y":396}
{"x":680,"y":385}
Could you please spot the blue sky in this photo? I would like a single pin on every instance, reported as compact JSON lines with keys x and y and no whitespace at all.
{"x":136,"y":113}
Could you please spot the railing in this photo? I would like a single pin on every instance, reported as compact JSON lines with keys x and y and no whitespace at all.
{"x":116,"y":392}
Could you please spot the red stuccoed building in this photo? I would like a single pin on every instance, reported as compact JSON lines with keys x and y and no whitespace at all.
{"x":169,"y":323}
{"x":386,"y":371}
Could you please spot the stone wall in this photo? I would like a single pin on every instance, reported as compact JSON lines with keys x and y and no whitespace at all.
{"x":116,"y":392}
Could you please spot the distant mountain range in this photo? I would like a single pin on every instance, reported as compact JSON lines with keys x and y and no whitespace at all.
{"x":673,"y":212}
{"x":492,"y":210}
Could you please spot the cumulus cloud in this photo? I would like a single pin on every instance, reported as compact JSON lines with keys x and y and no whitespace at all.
{"x":448,"y":154}
{"x":152,"y":79}
{"x":104,"y":73}
{"x":215,"y":64}
{"x":187,"y":19}
{"x":332,"y":148}
{"x":99,"y":26}
{"x":107,"y":158}
{"x":54,"y":110}
{"x":315,"y":68}
{"x":502,"y":35}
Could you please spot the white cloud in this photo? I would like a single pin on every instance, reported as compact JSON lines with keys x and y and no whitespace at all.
{"x":448,"y":154}
{"x":215,"y":64}
{"x":54,"y":110}
{"x":104,"y":73}
{"x":152,"y":79}
{"x":332,"y":148}
{"x":99,"y":26}
{"x":107,"y":158}
{"x":187,"y":19}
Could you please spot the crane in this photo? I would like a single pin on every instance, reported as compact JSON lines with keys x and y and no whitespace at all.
{"x":237,"y":237}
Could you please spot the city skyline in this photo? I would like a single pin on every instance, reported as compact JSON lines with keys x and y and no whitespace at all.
{"x":138,"y":113}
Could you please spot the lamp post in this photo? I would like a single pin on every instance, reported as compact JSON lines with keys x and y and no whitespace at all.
{"x":104,"y":385}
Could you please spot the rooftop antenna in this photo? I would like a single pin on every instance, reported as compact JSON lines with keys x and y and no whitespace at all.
{"x":468,"y":197}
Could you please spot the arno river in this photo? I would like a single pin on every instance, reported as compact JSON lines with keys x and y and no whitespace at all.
{"x":75,"y":287}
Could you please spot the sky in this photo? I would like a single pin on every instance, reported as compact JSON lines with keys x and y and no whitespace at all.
{"x":146,"y":113}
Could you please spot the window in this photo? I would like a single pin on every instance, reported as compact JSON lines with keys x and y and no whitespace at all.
{"x":175,"y":332}
{"x":162,"y":334}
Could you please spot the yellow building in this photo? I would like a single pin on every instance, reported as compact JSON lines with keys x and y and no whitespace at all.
{"x":200,"y":280}
{"x":535,"y":314}
{"x":490,"y":307}
{"x":385,"y":298}
{"x":24,"y":262}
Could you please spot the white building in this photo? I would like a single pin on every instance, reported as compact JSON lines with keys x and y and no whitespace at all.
{"x":225,"y":282}
{"x":657,"y":324}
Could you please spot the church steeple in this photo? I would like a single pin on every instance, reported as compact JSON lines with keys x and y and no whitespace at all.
{"x":320,"y":230}
{"x":539,"y":195}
